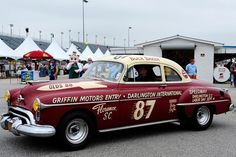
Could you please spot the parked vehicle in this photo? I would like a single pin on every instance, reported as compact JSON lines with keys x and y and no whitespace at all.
{"x":116,"y":92}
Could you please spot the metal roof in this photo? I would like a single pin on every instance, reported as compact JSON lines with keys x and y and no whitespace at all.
{"x":179,"y":37}
{"x":230,"y":47}
{"x":42,"y":45}
{"x":80,"y":46}
{"x":12,"y":42}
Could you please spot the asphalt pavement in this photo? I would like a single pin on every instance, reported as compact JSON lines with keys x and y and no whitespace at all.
{"x":166,"y":140}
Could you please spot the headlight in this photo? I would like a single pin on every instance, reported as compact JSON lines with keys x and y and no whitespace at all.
{"x":36,"y":107}
{"x":36,"y":104}
{"x":7,"y":96}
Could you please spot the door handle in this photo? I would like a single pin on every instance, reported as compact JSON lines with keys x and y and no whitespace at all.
{"x":163,"y":86}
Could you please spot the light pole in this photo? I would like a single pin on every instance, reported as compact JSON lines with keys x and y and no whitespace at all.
{"x":83,"y":1}
{"x":78,"y":36}
{"x":114,"y":41}
{"x":104,"y":40}
{"x":40,"y":32}
{"x":96,"y":39}
{"x":69,"y":37}
{"x":134,"y":42}
{"x":62,"y":39}
{"x":11,"y":26}
{"x":86,"y":37}
{"x":124,"y":42}
{"x":40,"y":35}
{"x":52,"y":36}
{"x":129,"y":28}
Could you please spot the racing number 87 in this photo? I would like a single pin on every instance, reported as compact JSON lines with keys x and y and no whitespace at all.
{"x":140,"y":107}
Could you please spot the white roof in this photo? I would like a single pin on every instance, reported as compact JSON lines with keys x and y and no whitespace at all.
{"x":179,"y":37}
{"x":27,"y":46}
{"x":56,"y":51}
{"x":98,"y":54}
{"x":6,"y":51}
{"x":87,"y":53}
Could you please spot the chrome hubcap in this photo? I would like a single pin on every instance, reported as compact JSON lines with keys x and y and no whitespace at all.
{"x":203,"y":115}
{"x":76,"y":131}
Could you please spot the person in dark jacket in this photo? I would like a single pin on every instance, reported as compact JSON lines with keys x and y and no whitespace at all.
{"x":53,"y":70}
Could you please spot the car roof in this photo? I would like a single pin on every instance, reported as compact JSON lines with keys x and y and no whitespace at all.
{"x":129,"y":60}
{"x":138,"y":59}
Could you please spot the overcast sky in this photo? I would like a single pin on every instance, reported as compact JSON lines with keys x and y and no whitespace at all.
{"x":150,"y":19}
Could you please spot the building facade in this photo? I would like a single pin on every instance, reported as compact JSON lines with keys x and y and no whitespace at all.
{"x":181,"y":49}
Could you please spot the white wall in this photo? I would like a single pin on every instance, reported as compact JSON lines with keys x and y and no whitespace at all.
{"x":204,"y":58}
{"x":152,"y":50}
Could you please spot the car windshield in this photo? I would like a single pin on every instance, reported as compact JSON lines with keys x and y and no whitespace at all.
{"x":104,"y":70}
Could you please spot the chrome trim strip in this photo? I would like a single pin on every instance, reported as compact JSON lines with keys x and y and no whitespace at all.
{"x":139,"y":125}
{"x":197,"y":103}
{"x":43,"y":106}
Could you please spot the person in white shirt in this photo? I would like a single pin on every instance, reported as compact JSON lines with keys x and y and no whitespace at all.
{"x":87,"y":65}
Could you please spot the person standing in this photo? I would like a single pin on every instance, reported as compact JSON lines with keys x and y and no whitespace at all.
{"x":233,"y":73}
{"x":191,"y":69}
{"x":74,"y":67}
{"x":53,"y":70}
{"x":87,"y":65}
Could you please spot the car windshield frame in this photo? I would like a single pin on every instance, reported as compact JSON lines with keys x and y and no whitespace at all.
{"x":117,"y":71}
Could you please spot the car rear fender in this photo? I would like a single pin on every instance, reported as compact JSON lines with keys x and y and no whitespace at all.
{"x":188,"y":102}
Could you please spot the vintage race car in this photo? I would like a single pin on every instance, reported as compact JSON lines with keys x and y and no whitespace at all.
{"x":116,"y":92}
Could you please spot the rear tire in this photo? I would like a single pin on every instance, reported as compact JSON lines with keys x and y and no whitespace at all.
{"x":202,"y":118}
{"x":75,"y":131}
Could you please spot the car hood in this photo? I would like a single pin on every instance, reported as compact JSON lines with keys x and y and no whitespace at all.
{"x":66,"y":91}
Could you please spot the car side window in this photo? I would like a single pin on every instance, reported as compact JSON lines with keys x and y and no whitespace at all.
{"x":143,"y":73}
{"x":171,"y":74}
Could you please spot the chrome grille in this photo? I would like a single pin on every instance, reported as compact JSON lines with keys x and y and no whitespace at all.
{"x":25,"y":115}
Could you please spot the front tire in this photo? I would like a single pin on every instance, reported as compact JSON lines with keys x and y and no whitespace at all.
{"x":75,"y":131}
{"x":202,"y":118}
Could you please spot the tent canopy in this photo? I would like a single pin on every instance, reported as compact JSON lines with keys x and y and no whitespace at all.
{"x":56,"y":51}
{"x":27,"y":46}
{"x":87,"y":53}
{"x":6,"y":51}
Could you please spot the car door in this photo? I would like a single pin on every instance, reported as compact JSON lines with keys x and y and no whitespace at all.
{"x":143,"y":100}
{"x":171,"y":92}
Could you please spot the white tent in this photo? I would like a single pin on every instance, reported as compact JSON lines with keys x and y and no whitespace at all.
{"x":6,"y":51}
{"x":87,"y":53}
{"x":56,"y":51}
{"x":107,"y":52}
{"x":98,"y":54}
{"x":72,"y":49}
{"x":25,"y":47}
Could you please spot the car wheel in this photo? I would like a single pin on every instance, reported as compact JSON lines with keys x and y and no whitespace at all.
{"x":202,"y":118}
{"x":75,"y":131}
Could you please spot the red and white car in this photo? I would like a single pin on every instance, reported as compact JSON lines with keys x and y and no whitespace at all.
{"x":116,"y":92}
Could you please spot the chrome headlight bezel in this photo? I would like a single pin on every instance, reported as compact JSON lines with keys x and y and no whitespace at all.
{"x":37,"y":107}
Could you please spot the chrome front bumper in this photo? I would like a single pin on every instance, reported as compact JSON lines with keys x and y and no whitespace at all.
{"x":231,"y":107}
{"x":20,"y":121}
